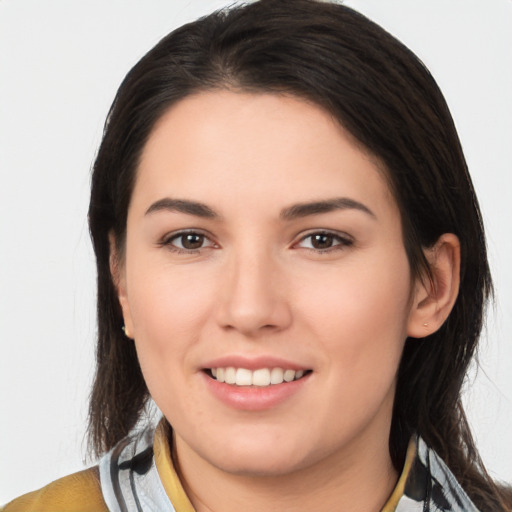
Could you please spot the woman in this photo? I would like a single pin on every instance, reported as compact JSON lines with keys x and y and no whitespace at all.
{"x":291,"y":263}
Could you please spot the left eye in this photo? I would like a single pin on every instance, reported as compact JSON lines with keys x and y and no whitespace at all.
{"x":189,"y":241}
{"x":323,"y":241}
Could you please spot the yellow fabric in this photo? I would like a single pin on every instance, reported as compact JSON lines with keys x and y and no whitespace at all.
{"x":398,"y":492}
{"x":168,"y":476}
{"x":79,"y":492}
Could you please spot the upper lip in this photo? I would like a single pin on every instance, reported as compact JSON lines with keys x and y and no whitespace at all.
{"x":254,"y":363}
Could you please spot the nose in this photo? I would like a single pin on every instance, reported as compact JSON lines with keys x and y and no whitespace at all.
{"x":253,"y":299}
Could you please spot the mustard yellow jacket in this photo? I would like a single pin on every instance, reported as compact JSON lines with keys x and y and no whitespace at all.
{"x":138,"y":475}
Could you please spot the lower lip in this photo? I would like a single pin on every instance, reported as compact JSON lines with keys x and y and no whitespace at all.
{"x":254,"y":398}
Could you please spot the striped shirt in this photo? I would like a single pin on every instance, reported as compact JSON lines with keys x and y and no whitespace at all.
{"x":138,"y":475}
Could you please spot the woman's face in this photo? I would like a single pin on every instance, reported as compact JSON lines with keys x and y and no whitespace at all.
{"x":264,"y":245}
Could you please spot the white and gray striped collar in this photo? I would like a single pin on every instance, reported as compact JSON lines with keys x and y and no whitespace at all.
{"x":431,"y":486}
{"x":130,"y":481}
{"x":129,"y":478}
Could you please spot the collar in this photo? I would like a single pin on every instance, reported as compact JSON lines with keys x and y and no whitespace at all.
{"x":138,"y":474}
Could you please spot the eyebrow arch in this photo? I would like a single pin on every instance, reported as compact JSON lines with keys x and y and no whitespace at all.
{"x":182,"y":206}
{"x":317,"y":207}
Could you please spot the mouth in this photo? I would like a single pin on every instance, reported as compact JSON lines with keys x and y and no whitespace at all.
{"x":261,"y":377}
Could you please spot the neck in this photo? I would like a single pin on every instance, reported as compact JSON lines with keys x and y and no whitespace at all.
{"x":351,"y":480}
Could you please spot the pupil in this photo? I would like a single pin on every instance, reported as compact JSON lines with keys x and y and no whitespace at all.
{"x":322,"y":241}
{"x":192,"y":241}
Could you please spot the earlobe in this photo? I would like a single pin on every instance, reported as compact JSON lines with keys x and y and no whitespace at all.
{"x":434,"y":298}
{"x":119,"y":280}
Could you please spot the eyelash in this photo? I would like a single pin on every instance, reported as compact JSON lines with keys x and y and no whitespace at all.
{"x":341,"y":242}
{"x":168,"y":242}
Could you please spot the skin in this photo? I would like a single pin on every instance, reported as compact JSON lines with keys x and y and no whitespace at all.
{"x":258,"y":286}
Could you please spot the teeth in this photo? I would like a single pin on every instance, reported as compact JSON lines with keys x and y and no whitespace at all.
{"x":243,"y":377}
{"x":276,"y":376}
{"x":230,"y":375}
{"x":289,"y":375}
{"x":262,"y":377}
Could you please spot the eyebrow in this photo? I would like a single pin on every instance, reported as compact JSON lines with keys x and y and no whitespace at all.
{"x":183,"y":206}
{"x":318,"y":207}
{"x":295,"y":211}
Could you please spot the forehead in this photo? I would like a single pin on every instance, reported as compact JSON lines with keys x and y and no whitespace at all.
{"x":255,"y":147}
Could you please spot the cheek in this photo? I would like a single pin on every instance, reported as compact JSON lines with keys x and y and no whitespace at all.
{"x":169,"y":308}
{"x":360,"y":315}
{"x":169,"y":311}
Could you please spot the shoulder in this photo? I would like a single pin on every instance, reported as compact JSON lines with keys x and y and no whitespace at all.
{"x":79,"y":492}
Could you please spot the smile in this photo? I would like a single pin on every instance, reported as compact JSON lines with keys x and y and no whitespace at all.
{"x":261,"y":377}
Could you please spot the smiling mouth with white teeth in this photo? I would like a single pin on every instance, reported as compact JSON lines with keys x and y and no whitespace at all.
{"x":262,"y":377}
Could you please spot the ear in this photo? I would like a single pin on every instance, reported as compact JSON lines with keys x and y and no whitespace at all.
{"x":433,"y":299}
{"x":118,"y":274}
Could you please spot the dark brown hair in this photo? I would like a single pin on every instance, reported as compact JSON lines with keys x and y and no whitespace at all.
{"x":385,"y":97}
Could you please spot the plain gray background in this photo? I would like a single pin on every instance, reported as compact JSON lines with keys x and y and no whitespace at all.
{"x":60,"y":64}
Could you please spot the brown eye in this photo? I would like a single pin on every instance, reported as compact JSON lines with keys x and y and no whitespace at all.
{"x":322,"y":241}
{"x":191,"y":241}
{"x":188,"y":241}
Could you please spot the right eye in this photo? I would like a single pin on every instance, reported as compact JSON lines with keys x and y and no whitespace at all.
{"x":189,"y":241}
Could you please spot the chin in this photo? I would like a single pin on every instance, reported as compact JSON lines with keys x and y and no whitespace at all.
{"x":259,"y":459}
{"x":259,"y":466}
